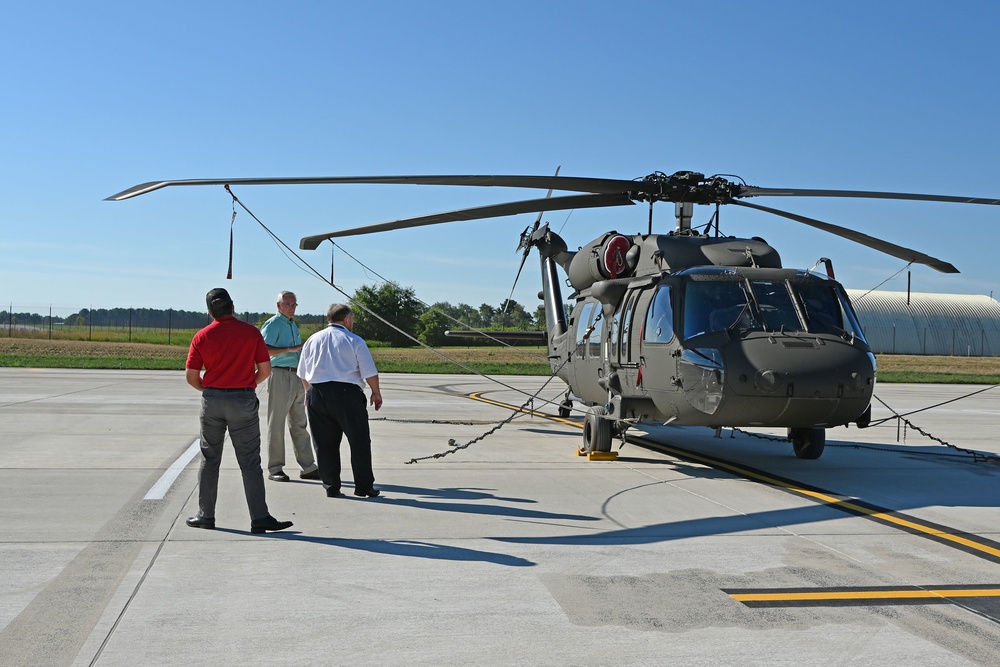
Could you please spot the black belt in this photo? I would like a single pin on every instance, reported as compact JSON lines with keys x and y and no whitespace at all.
{"x":285,"y":368}
{"x":226,"y":389}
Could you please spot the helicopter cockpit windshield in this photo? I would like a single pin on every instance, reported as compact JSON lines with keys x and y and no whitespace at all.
{"x":716,"y":305}
{"x":801,"y":303}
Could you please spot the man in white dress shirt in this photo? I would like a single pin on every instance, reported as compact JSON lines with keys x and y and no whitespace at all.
{"x":335,"y":365}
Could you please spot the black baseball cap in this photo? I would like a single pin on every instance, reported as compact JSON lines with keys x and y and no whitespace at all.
{"x":218,"y":297}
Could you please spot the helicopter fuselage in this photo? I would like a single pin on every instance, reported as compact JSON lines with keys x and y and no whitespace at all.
{"x":694,"y":330}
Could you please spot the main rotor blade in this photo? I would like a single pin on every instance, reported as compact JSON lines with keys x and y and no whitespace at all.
{"x":568,"y":183}
{"x":493,"y":211}
{"x":752,"y":191}
{"x":908,"y":254}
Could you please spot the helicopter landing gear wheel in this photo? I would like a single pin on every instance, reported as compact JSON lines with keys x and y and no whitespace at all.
{"x":565,"y":408}
{"x":808,"y":443}
{"x":597,"y":430}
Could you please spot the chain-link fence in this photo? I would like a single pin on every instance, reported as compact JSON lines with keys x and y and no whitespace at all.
{"x":129,"y":325}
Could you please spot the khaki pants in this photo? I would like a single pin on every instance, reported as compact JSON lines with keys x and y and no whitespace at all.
{"x":286,"y":402}
{"x":235,"y":411}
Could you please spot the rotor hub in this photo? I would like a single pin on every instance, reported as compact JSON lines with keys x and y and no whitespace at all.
{"x":686,"y":187}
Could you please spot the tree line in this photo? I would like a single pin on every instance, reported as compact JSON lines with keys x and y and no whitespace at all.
{"x":401,"y":308}
{"x":137,"y":318}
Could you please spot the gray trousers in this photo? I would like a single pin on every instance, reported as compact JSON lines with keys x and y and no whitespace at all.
{"x":286,"y":402}
{"x":237,"y":412}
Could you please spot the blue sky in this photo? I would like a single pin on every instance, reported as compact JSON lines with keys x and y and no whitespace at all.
{"x":97,"y":97}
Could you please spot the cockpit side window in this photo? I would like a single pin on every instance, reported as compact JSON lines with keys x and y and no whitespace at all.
{"x":660,"y":318}
{"x":826,"y":309}
{"x":821,"y":308}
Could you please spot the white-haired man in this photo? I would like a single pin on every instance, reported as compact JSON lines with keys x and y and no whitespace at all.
{"x":285,"y":395}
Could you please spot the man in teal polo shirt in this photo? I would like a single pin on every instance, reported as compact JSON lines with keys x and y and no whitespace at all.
{"x":285,"y":394}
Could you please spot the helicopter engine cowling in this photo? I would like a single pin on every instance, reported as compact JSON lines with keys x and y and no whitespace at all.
{"x":611,"y":256}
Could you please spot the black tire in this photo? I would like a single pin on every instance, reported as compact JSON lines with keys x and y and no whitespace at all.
{"x":808,"y":443}
{"x":597,"y":430}
{"x":565,"y":409}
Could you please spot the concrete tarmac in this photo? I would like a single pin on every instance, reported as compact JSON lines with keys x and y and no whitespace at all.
{"x":689,"y":549}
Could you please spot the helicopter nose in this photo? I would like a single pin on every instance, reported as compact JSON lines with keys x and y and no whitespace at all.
{"x":799,"y":368}
{"x":778,"y":382}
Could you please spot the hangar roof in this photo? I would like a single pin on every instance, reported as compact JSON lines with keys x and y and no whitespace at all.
{"x":926,"y":323}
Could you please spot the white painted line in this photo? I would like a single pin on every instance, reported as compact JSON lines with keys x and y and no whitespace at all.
{"x":158,"y":490}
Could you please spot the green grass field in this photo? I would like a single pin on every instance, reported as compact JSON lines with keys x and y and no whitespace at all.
{"x":67,"y":353}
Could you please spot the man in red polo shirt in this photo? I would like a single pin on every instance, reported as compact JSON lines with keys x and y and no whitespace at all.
{"x":235,"y":360}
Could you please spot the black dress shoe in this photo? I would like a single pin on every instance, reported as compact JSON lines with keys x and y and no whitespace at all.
{"x":278,"y":477}
{"x":371,"y":493}
{"x":270,"y":523}
{"x":333,"y":493}
{"x":309,"y":475}
{"x":199,"y":521}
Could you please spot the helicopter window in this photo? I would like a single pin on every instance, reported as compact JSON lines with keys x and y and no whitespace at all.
{"x":615,"y":329}
{"x":660,"y":317}
{"x":628,"y":315}
{"x":594,"y":351}
{"x":716,"y":305}
{"x":826,"y":310}
{"x":582,"y":324}
{"x":776,"y":307}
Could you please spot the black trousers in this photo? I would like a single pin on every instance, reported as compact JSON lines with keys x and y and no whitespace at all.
{"x":337,"y":409}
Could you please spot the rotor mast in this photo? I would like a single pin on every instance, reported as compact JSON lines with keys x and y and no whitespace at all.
{"x":683,"y":211}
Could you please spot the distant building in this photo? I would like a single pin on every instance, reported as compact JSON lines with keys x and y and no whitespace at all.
{"x":934,"y":324}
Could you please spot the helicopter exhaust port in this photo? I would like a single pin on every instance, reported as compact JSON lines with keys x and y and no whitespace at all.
{"x":606,"y":258}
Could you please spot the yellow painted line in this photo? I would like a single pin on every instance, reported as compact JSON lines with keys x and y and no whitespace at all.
{"x":821,"y":596}
{"x":478,"y":396}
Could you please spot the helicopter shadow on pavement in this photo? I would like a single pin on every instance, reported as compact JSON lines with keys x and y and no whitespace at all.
{"x":864,"y":474}
{"x":962,"y":486}
{"x":447,"y":500}
{"x":453,"y":499}
{"x":552,"y":432}
{"x":404,"y":548}
{"x":687,"y":469}
{"x":691,"y":528}
{"x":452,"y":493}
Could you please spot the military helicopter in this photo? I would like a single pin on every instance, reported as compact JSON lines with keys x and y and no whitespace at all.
{"x":685,"y":328}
